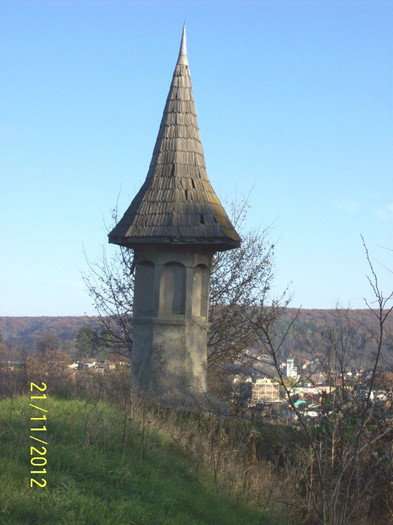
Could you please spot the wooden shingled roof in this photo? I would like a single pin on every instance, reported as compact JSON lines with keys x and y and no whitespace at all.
{"x":177,"y":204}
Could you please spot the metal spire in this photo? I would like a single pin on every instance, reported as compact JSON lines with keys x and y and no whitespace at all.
{"x":183,"y":48}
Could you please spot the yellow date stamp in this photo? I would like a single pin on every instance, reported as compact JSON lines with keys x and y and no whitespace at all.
{"x":38,"y":428}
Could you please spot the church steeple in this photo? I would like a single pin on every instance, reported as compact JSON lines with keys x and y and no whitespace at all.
{"x":177,"y":204}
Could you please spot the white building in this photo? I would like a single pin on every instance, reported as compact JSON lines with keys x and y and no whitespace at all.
{"x":292,"y":369}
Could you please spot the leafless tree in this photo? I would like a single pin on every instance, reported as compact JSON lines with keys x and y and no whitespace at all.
{"x":110,"y":283}
{"x":240,"y":281}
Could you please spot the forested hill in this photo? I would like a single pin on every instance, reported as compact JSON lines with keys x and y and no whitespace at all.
{"x":29,"y":328}
{"x":66,"y":328}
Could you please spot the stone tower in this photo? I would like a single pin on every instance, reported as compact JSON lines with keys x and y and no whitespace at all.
{"x":174,"y":225}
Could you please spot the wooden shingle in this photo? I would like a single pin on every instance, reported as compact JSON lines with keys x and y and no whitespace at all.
{"x":177,"y":204}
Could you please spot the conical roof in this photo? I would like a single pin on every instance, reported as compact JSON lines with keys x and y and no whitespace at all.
{"x":177,"y":204}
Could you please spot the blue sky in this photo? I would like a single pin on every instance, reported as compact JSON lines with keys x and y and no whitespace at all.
{"x":294,"y":101}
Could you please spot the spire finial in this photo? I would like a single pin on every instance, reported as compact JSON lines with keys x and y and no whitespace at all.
{"x":183,"y":48}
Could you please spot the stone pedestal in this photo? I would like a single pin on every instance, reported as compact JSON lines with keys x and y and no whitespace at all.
{"x":171,"y":303}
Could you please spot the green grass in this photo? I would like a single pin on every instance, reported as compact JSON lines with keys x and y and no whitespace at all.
{"x":103,"y":471}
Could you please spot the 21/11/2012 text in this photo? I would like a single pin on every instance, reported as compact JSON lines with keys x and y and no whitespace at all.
{"x":38,"y":458}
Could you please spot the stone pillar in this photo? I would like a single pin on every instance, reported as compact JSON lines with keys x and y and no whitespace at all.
{"x":171,"y":305}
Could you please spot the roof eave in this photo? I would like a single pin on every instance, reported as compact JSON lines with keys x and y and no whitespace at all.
{"x":217,"y":245}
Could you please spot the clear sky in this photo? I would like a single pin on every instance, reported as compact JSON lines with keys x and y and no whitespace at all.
{"x":294,"y":101}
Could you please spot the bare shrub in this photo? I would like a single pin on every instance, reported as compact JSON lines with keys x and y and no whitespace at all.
{"x":342,"y":469}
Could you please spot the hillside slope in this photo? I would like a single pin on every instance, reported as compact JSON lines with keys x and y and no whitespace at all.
{"x":103,"y":470}
{"x":30,"y":328}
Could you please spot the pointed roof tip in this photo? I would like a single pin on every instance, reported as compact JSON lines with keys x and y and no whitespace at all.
{"x":183,"y":48}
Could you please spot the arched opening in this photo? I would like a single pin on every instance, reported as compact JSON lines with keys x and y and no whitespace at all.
{"x":144,"y":288}
{"x":200,"y":291}
{"x":173,"y":288}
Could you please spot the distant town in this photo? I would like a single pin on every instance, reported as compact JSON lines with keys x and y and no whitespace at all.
{"x":258,"y":391}
{"x":304,"y":389}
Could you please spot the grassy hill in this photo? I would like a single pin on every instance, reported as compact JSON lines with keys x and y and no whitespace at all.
{"x":105,"y":468}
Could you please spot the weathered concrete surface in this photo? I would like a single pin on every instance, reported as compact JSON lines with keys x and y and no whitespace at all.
{"x":170,"y":322}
